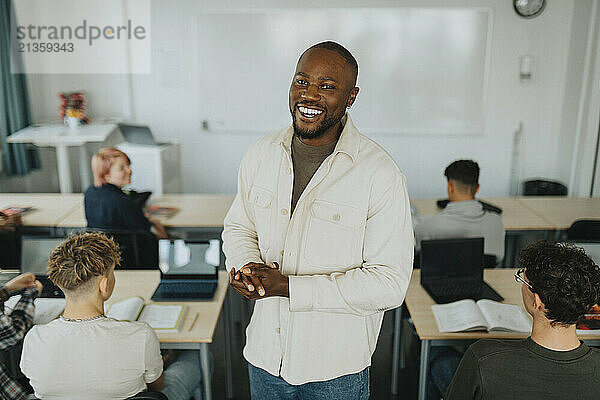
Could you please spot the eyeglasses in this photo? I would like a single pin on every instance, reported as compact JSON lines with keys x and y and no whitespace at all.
{"x":519,"y":278}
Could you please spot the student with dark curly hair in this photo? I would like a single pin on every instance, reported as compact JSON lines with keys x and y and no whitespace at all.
{"x":560,"y":283}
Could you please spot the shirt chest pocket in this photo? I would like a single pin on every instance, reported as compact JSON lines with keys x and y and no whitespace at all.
{"x":261,"y":200}
{"x":334,"y":236}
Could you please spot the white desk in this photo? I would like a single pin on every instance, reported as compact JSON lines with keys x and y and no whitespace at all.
{"x":61,"y":137}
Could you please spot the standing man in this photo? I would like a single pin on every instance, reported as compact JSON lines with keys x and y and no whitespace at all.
{"x":320,"y":235}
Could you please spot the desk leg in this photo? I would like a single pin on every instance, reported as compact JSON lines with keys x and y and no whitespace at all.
{"x":397,"y":344}
{"x":64,"y":169}
{"x":84,"y":165}
{"x":205,"y":366}
{"x":228,"y":345}
{"x":424,"y":364}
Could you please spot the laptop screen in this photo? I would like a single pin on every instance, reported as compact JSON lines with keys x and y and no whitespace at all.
{"x":451,"y":258}
{"x":179,"y":259}
{"x":138,"y":134}
{"x":35,"y":252}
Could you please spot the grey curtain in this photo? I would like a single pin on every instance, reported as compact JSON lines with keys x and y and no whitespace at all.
{"x":15,"y":113}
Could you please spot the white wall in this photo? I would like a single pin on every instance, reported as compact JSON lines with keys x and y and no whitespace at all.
{"x":167,"y":98}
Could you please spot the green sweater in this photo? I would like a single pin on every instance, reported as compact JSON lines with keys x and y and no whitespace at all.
{"x":522,"y":369}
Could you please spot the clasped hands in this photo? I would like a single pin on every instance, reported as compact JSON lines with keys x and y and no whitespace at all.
{"x":258,"y":281}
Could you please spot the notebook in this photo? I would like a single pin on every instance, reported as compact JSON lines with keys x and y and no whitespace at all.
{"x":35,"y":251}
{"x":189,"y":269}
{"x":452,"y":269}
{"x":160,"y":317}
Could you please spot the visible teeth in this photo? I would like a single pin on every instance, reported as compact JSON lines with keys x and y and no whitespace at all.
{"x":309,"y":111}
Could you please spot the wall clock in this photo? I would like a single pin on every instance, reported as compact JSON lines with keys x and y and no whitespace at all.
{"x":529,"y":8}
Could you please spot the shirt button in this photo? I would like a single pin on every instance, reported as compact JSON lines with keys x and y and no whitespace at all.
{"x":289,"y":171}
{"x":281,"y":253}
{"x":336,"y":217}
{"x":283,"y":211}
{"x":278,"y":330}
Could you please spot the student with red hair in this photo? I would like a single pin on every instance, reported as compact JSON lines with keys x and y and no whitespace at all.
{"x":106,"y":206}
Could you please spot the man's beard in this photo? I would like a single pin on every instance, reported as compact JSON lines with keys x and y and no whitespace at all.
{"x":319,"y":130}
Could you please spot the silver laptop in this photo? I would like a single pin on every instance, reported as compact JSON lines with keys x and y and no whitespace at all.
{"x":138,"y":134}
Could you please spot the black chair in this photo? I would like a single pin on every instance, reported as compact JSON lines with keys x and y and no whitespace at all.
{"x":9,"y":249}
{"x":541,"y":187}
{"x":11,"y":357}
{"x":148,"y":396}
{"x":585,"y":229}
{"x":139,"y":249}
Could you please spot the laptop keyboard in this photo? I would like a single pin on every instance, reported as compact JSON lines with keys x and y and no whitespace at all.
{"x":454,"y":289}
{"x":186,"y":289}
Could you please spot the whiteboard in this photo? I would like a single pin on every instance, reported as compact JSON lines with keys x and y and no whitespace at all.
{"x":421,"y":70}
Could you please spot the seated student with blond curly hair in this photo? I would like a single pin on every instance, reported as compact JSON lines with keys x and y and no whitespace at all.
{"x":86,"y":355}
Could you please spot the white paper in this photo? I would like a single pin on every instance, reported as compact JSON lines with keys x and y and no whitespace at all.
{"x":459,"y":316}
{"x":45,"y":309}
{"x":504,"y":316}
{"x":160,"y":316}
{"x":126,"y":310}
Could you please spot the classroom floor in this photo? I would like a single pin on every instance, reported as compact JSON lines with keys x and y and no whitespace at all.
{"x":380,"y":368}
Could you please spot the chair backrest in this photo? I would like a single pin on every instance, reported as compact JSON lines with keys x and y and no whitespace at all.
{"x":541,"y":187}
{"x":9,"y":249}
{"x":585,"y":229}
{"x":148,"y":396}
{"x":139,"y":249}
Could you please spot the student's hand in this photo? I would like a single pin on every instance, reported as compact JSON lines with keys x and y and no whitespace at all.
{"x":23,"y":281}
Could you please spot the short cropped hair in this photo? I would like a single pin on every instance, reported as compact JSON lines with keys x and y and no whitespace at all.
{"x":103,"y":160}
{"x":465,"y":172}
{"x":82,"y":257}
{"x":339,"y":49}
{"x":565,"y":278}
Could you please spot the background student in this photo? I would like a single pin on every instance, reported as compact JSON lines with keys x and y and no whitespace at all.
{"x":85,"y":355}
{"x":464,"y":216}
{"x":559,"y":284}
{"x":14,"y":326}
{"x":106,"y":205}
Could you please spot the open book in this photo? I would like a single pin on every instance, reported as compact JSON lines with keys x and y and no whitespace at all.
{"x":488,"y":315}
{"x":590,"y":323}
{"x":45,"y":309}
{"x":161,"y":317}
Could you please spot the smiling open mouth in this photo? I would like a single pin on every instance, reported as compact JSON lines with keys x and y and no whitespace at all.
{"x":308,"y":112}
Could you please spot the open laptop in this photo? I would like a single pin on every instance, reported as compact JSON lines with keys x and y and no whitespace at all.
{"x":452,"y":269}
{"x":188,"y":269}
{"x":35,"y":251}
{"x":138,"y":134}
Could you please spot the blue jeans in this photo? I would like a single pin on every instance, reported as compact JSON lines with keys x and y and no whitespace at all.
{"x":183,"y":378}
{"x":443,"y":363}
{"x":264,"y":386}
